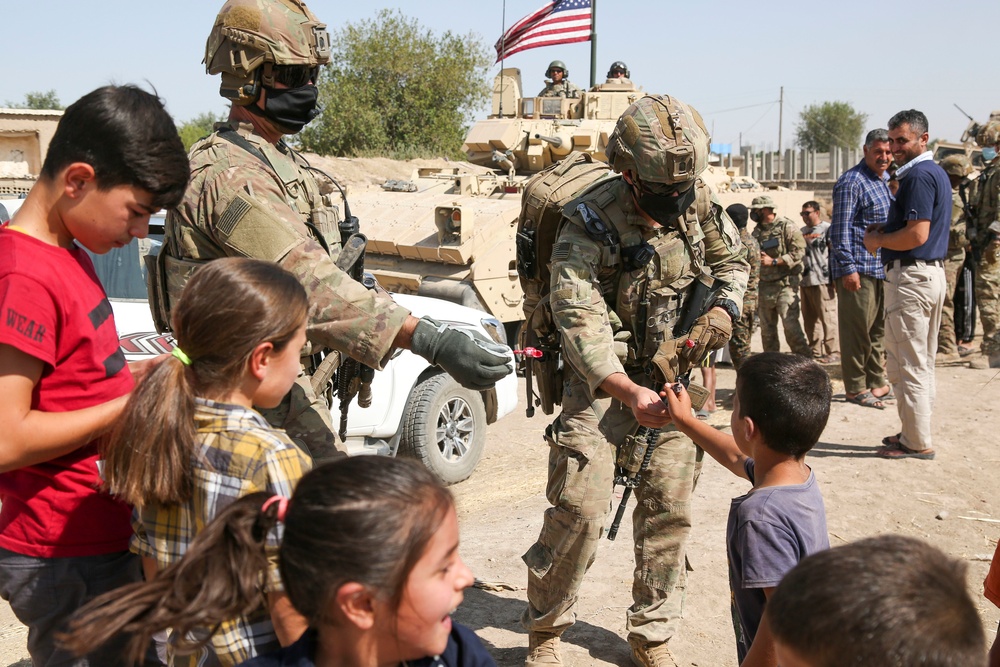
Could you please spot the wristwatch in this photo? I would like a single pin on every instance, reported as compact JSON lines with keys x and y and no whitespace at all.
{"x":730,"y":307}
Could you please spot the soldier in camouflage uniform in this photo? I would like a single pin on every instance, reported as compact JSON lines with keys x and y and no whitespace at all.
{"x":781,"y":251}
{"x":558,"y":84}
{"x":613,"y":316}
{"x":958,"y":167}
{"x":985,"y":242}
{"x":739,"y":344}
{"x":251,"y":195}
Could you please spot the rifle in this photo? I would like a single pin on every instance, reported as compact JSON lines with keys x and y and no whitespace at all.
{"x":637,"y":451}
{"x":353,"y":377}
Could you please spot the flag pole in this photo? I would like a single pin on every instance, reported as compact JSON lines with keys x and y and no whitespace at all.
{"x":593,"y":43}
{"x":503,"y":50}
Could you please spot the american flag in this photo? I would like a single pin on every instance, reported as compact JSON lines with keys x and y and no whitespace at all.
{"x":558,"y":22}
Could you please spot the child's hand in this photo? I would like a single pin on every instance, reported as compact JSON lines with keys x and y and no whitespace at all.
{"x":140,"y":369}
{"x":678,"y":403}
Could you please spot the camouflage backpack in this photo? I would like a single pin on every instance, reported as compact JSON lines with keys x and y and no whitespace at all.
{"x":539,"y":223}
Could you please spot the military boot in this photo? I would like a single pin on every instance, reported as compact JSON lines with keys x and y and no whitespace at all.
{"x":543,"y":650}
{"x":980,"y":362}
{"x":651,"y":654}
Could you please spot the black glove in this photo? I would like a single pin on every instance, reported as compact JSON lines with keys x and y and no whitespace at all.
{"x":475,"y":361}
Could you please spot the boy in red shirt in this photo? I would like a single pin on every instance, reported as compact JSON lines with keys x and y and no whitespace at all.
{"x":114,"y":159}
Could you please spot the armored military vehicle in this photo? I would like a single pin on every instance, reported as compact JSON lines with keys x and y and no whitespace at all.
{"x":966,"y":145}
{"x":449,"y":233}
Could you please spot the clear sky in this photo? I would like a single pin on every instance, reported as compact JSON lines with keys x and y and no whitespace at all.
{"x":728,"y":59}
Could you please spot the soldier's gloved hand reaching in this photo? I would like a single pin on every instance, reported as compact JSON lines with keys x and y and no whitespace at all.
{"x":710,"y":332}
{"x":473,"y":360}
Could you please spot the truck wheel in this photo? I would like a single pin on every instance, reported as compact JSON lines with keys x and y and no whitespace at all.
{"x":444,"y":427}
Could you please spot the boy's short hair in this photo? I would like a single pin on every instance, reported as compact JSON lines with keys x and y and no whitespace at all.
{"x":128,"y":137}
{"x":788,"y":398}
{"x":888,"y":600}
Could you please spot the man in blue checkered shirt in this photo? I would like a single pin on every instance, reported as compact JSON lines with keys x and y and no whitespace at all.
{"x":861,"y":198}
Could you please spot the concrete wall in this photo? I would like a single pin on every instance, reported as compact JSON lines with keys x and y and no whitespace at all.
{"x":24,"y":139}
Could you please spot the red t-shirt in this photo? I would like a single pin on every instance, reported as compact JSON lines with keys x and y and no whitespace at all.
{"x":53,"y":307}
{"x":991,"y":587}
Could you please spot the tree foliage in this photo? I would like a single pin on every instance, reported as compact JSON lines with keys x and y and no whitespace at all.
{"x":38,"y":100}
{"x":394,"y":87}
{"x":830,"y":125}
{"x":196,"y":128}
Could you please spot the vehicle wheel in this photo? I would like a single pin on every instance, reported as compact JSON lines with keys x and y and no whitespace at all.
{"x":445,"y":427}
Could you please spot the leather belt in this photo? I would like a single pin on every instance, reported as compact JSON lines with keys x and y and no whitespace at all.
{"x":906,"y":261}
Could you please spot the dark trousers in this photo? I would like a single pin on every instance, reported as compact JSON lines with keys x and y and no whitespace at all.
{"x":862,"y":330}
{"x":45,"y":592}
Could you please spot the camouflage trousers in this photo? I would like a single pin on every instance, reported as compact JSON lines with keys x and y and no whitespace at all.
{"x":988,"y":299}
{"x":306,"y":418}
{"x":580,"y":485}
{"x":778,"y":300}
{"x":739,"y":342}
{"x":947,"y":343}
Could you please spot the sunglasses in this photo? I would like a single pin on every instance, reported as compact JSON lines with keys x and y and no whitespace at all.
{"x":295,"y":76}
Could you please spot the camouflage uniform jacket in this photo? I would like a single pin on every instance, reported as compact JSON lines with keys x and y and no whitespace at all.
{"x":236,"y":205}
{"x":988,"y":206}
{"x":791,"y":248}
{"x":956,"y":236}
{"x":562,"y":89}
{"x":596,"y":301}
{"x":751,"y":253}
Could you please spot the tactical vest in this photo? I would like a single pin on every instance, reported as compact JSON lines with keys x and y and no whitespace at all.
{"x":644,"y":302}
{"x":189,"y":244}
{"x":775,"y":231}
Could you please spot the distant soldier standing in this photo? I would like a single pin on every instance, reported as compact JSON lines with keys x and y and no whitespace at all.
{"x":739,"y":344}
{"x":558,"y":84}
{"x":250,"y":195}
{"x":958,"y":167}
{"x":781,"y":251}
{"x":669,"y":230}
{"x":819,"y":296}
{"x":985,"y":242}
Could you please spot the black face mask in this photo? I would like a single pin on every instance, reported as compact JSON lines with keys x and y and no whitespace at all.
{"x":755,"y":216}
{"x":665,"y":209}
{"x":291,"y":108}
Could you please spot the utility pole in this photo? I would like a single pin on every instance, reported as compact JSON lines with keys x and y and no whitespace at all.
{"x":781,"y":116}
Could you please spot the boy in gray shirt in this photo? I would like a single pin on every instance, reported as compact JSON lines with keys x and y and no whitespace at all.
{"x":781,"y":407}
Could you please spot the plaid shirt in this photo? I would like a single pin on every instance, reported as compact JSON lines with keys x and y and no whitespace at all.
{"x":237,"y":453}
{"x":860,"y":198}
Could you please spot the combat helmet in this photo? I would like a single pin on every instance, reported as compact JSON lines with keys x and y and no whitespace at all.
{"x":957,"y":165}
{"x":557,"y":64}
{"x":989,"y":134}
{"x":252,"y":40}
{"x":660,"y":139}
{"x":618,"y":66}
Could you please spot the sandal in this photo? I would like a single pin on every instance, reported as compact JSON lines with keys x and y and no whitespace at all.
{"x":898,"y":451}
{"x":866,"y":400}
{"x":888,"y":396}
{"x":892,"y":440}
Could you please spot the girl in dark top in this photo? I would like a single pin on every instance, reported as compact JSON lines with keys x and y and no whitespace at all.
{"x":369,"y":557}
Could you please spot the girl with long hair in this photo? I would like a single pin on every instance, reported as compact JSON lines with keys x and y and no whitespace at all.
{"x":190,"y":442}
{"x":369,"y":556}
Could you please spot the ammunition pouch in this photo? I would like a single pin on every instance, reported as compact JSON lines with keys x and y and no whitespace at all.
{"x":166,"y":278}
{"x":321,"y":374}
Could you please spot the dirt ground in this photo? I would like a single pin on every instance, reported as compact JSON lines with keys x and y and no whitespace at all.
{"x":951,"y":502}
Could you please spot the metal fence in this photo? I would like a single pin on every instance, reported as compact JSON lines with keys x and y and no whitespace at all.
{"x":795,"y":166}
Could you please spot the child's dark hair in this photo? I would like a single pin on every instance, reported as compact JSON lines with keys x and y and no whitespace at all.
{"x":229,"y":307}
{"x":366,"y":519}
{"x":883,"y":601}
{"x":128,"y":137}
{"x":787,"y":397}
